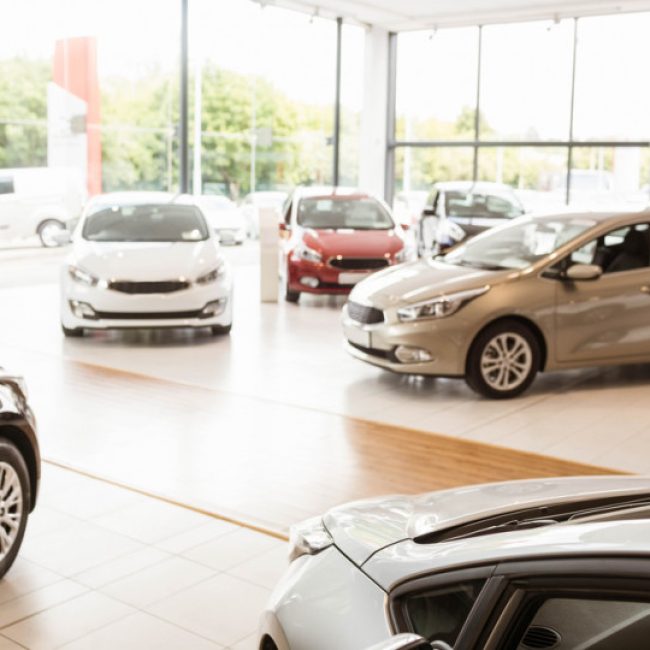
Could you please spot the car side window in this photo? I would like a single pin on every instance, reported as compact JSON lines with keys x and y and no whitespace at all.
{"x":500,"y":207}
{"x":623,"y":249}
{"x":6,"y":185}
{"x":593,"y":622}
{"x":439,"y":614}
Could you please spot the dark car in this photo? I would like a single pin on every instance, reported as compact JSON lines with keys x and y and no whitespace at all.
{"x":20,"y":466}
{"x":460,"y":209}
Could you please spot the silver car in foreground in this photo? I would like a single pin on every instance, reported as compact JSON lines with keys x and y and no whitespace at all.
{"x":548,"y":563}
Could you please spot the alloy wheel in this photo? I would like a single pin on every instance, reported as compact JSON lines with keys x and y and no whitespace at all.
{"x":11,"y":507}
{"x":506,"y":361}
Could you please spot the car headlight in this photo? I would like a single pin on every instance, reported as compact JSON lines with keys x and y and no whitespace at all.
{"x":82,"y":276}
{"x":303,"y":252}
{"x":308,"y":538}
{"x":211,"y":276}
{"x":441,"y":306}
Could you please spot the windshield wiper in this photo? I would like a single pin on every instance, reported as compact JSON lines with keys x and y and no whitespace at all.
{"x":485,"y":266}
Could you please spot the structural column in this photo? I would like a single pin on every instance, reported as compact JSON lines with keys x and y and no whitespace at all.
{"x":377,"y":114}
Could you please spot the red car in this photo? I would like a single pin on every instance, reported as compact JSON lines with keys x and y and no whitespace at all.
{"x":333,"y":238}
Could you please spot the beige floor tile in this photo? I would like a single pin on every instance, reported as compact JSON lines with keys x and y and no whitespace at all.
{"x":8,"y":644}
{"x":78,"y":548}
{"x":46,"y":519}
{"x":224,"y":609}
{"x":151,"y":521}
{"x":67,"y":622}
{"x":265,"y":569}
{"x":141,"y":631}
{"x":158,"y":581}
{"x":210,"y":530}
{"x":38,"y":601}
{"x":249,"y":643}
{"x":25,"y":577}
{"x":121,"y":567}
{"x":234,"y":548}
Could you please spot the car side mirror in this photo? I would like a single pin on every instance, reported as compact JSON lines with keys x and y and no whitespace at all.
{"x":429,"y":212}
{"x":405,"y":641}
{"x":583,"y":272}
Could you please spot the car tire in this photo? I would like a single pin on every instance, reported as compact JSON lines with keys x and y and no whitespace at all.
{"x":291,"y":296}
{"x":14,"y":480}
{"x":72,"y":332}
{"x":220,"y":330}
{"x":503,"y":360}
{"x":44,"y":232}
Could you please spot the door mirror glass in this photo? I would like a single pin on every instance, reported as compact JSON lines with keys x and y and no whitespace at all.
{"x":581,"y":272}
{"x":403,"y":642}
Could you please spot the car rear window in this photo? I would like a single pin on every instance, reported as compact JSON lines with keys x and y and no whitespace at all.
{"x":350,"y":213}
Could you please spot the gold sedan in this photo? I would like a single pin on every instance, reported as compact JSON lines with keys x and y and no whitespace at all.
{"x":541,"y":293}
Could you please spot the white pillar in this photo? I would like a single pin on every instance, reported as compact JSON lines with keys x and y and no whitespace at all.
{"x":269,"y":253}
{"x":374,"y":112}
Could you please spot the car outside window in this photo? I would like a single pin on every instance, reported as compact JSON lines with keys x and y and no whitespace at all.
{"x":585,"y":623}
{"x":623,"y":249}
{"x":439,"y":615}
{"x":337,"y":213}
{"x":6,"y":185}
{"x":480,"y":206}
{"x":145,"y":223}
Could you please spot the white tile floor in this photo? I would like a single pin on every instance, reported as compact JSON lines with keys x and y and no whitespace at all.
{"x":104,"y":567}
{"x":292,"y":355}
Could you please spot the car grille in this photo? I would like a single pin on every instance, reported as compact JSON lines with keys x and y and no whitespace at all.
{"x":168,"y":286}
{"x":359,"y":263}
{"x":148,"y":315}
{"x":365,"y":315}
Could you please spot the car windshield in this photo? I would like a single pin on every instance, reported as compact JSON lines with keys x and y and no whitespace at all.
{"x":145,"y":223}
{"x":345,"y":213}
{"x":517,"y":245}
{"x":481,"y":204}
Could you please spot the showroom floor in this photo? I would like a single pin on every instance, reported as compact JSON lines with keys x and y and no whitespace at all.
{"x":103,"y":567}
{"x":264,"y":427}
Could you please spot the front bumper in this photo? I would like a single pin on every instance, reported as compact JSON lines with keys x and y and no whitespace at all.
{"x":115,"y":310}
{"x":377,"y":344}
{"x":329,"y":280}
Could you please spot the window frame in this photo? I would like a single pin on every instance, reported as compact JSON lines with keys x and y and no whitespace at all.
{"x":10,"y":183}
{"x":598,"y":577}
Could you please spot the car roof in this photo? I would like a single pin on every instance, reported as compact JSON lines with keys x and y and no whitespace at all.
{"x":485,"y":186}
{"x":328,"y":191}
{"x":140,"y":197}
{"x":408,"y":559}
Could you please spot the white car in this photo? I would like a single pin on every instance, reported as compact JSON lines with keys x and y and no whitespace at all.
{"x":224,"y":217}
{"x":256,"y":201}
{"x":39,"y":201}
{"x":548,"y":563}
{"x":144,"y":260}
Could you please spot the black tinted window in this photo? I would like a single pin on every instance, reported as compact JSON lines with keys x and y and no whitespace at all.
{"x":133,"y":223}
{"x":6,"y":185}
{"x":440,"y":614}
{"x":586,"y":624}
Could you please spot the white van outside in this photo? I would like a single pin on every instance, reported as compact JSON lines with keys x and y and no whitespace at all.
{"x":39,"y":201}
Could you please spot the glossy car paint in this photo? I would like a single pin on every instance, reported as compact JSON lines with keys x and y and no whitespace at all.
{"x":339,"y":597}
{"x":18,"y":424}
{"x":579,"y":324}
{"x":331,"y":243}
{"x":144,"y":261}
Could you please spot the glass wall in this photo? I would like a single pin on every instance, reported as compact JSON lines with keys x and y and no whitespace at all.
{"x":530,"y":76}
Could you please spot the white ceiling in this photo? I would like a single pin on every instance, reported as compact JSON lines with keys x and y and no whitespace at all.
{"x":403,"y":15}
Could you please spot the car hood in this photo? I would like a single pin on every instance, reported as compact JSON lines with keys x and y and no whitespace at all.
{"x":353,"y":243}
{"x":363,"y":528}
{"x":146,"y":261}
{"x":416,"y":281}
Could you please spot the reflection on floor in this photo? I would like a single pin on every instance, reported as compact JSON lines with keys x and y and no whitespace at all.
{"x":102,"y":568}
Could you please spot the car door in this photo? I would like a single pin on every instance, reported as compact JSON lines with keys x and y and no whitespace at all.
{"x":591,"y":604}
{"x":7,"y":205}
{"x":607,"y":318}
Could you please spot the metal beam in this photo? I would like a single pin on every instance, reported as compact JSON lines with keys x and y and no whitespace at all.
{"x":336,"y":140}
{"x":518,"y":143}
{"x":183,"y":114}
{"x":391,"y":119}
{"x":572,"y":111}
{"x":477,"y":115}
